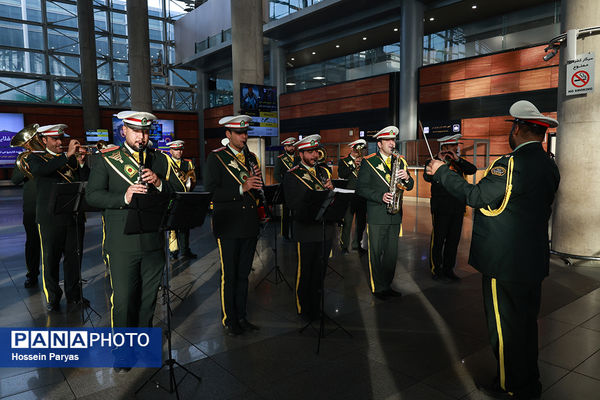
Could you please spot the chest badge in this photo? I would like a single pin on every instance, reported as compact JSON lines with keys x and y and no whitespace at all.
{"x":498,"y":171}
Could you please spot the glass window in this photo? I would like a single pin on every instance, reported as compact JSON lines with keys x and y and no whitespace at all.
{"x":121,"y":71}
{"x":100,"y":23}
{"x":156,"y":50}
{"x":63,"y":41}
{"x":103,"y":69}
{"x":119,"y":4}
{"x":184,"y":100}
{"x":102,"y":46}
{"x":67,"y":92}
{"x":120,"y":48}
{"x":64,"y":65}
{"x":175,"y":8}
{"x":182,"y":77}
{"x":15,"y":34}
{"x":170,"y":31}
{"x":119,"y":23}
{"x":105,"y":97}
{"x":29,"y":90}
{"x":27,"y":10}
{"x":155,"y":28}
{"x":160,"y":99}
{"x":155,"y":8}
{"x":22,"y":61}
{"x":61,"y":14}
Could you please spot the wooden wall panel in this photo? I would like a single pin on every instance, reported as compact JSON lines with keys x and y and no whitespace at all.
{"x":499,"y":126}
{"x":535,"y":79}
{"x":499,"y":146}
{"x":554,"y":76}
{"x":366,"y":102}
{"x":508,"y":83}
{"x":478,"y":87}
{"x":480,"y":66}
{"x":213,"y":115}
{"x":475,"y":127}
{"x":505,"y":62}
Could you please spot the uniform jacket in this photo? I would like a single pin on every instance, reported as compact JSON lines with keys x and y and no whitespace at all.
{"x":513,"y":204}
{"x":110,"y":177}
{"x":185,"y":165}
{"x":48,"y":169}
{"x":443,"y":202}
{"x":29,"y":191}
{"x":347,"y":170}
{"x":298,"y":185}
{"x":234,"y":214}
{"x":284,"y":163}
{"x":373,"y":182}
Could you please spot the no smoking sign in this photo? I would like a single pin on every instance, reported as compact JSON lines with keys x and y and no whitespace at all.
{"x":580,"y":75}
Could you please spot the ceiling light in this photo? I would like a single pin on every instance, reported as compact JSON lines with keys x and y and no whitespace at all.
{"x":318,"y":78}
{"x":432,"y":19}
{"x":292,"y":58}
{"x":337,"y":46}
{"x":314,"y":52}
{"x":364,"y":38}
{"x":290,"y":84}
{"x":474,"y":6}
{"x":395,"y":29}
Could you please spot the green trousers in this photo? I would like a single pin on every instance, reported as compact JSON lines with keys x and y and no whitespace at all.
{"x":134,"y":278}
{"x":511,"y":310}
{"x":383,"y":252}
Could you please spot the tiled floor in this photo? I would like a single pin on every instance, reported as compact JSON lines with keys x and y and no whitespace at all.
{"x":429,"y":344}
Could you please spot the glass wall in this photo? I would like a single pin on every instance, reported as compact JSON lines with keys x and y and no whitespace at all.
{"x":522,"y":28}
{"x":39,"y":54}
{"x":283,"y":8}
{"x":377,"y":61}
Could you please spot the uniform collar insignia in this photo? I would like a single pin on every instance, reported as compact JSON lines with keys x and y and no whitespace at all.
{"x":234,"y":164}
{"x":117,"y":157}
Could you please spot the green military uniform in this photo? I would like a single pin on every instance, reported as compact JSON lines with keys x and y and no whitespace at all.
{"x":135,"y":261}
{"x":447,"y":214}
{"x":182,"y":236}
{"x":58,"y":233}
{"x":510,"y":248}
{"x":298,"y":183}
{"x":283,"y":164}
{"x":347,"y":169}
{"x":383,"y":228}
{"x":32,"y":236}
{"x":235,"y":226}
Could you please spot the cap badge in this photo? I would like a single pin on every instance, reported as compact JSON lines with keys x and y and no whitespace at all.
{"x":144,"y":121}
{"x":60,"y":131}
{"x":312,"y":142}
{"x":242,"y":124}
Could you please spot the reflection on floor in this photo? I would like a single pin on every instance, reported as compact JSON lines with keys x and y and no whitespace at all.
{"x":429,"y":344}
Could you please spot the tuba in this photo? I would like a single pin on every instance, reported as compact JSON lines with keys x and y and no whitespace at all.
{"x":28,"y":139}
{"x":322,"y":155}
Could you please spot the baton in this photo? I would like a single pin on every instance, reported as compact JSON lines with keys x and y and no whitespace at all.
{"x":426,"y":141}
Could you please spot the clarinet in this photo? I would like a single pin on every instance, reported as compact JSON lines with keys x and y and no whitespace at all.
{"x":260,"y":193}
{"x":141,"y":165}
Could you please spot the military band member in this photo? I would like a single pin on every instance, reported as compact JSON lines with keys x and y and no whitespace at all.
{"x":513,"y":203}
{"x":447,"y":212}
{"x":185,"y":173}
{"x":135,"y":261}
{"x":32,"y":236}
{"x":284,"y":163}
{"x":383,"y":228}
{"x":233,"y":188}
{"x":348,"y":168}
{"x":58,"y":233}
{"x":298,"y":184}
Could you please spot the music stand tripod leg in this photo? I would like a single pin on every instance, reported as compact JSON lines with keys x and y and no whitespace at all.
{"x":279,"y":277}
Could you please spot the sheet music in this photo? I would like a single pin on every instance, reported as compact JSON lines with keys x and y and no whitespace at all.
{"x":340,"y":190}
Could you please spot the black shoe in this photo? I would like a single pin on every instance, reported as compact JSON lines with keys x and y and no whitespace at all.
{"x":495,"y":391}
{"x":380,"y":295}
{"x":362,"y":251}
{"x":392,"y":293}
{"x":189,"y":254}
{"x":233,"y":329}
{"x":173,"y":256}
{"x":345,"y":251}
{"x":121,"y":370}
{"x":30,"y":283}
{"x":53,"y":306}
{"x":452,"y":276}
{"x":440,"y":277}
{"x":82,"y":301}
{"x":247,"y":326}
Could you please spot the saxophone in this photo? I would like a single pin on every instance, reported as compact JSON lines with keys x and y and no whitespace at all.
{"x":396,"y":185}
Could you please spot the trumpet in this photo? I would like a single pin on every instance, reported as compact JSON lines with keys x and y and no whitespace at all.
{"x":86,"y":148}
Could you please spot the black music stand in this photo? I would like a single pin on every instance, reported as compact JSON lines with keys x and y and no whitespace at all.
{"x":181,"y":210}
{"x":326,"y":206}
{"x":69,"y":198}
{"x":274,"y":196}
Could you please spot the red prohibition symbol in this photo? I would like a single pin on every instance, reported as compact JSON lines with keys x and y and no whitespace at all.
{"x":580,"y":78}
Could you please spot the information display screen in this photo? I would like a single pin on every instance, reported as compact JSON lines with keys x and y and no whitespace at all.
{"x":10,"y":124}
{"x":162,"y":132}
{"x":260,"y":103}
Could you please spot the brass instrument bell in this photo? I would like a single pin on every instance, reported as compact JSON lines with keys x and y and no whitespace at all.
{"x":28,"y":139}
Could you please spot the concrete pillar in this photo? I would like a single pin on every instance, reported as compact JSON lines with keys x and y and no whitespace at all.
{"x":246,"y":45}
{"x":277,"y":74}
{"x":89,"y":70}
{"x":139,"y":55}
{"x":411,"y":58}
{"x":577,"y":207}
{"x":201,"y":104}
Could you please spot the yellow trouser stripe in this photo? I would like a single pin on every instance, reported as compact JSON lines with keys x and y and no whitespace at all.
{"x":173,"y":246}
{"x":43,"y":265}
{"x":400,"y":234}
{"x":112,"y":295}
{"x":500,"y":340}
{"x":222,"y":283}
{"x":298,"y":307}
{"x":369,"y":255}
{"x":281,"y":229}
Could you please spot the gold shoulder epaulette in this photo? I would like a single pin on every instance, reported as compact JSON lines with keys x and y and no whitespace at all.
{"x":219,"y":149}
{"x":370,"y":155}
{"x":293,"y":168}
